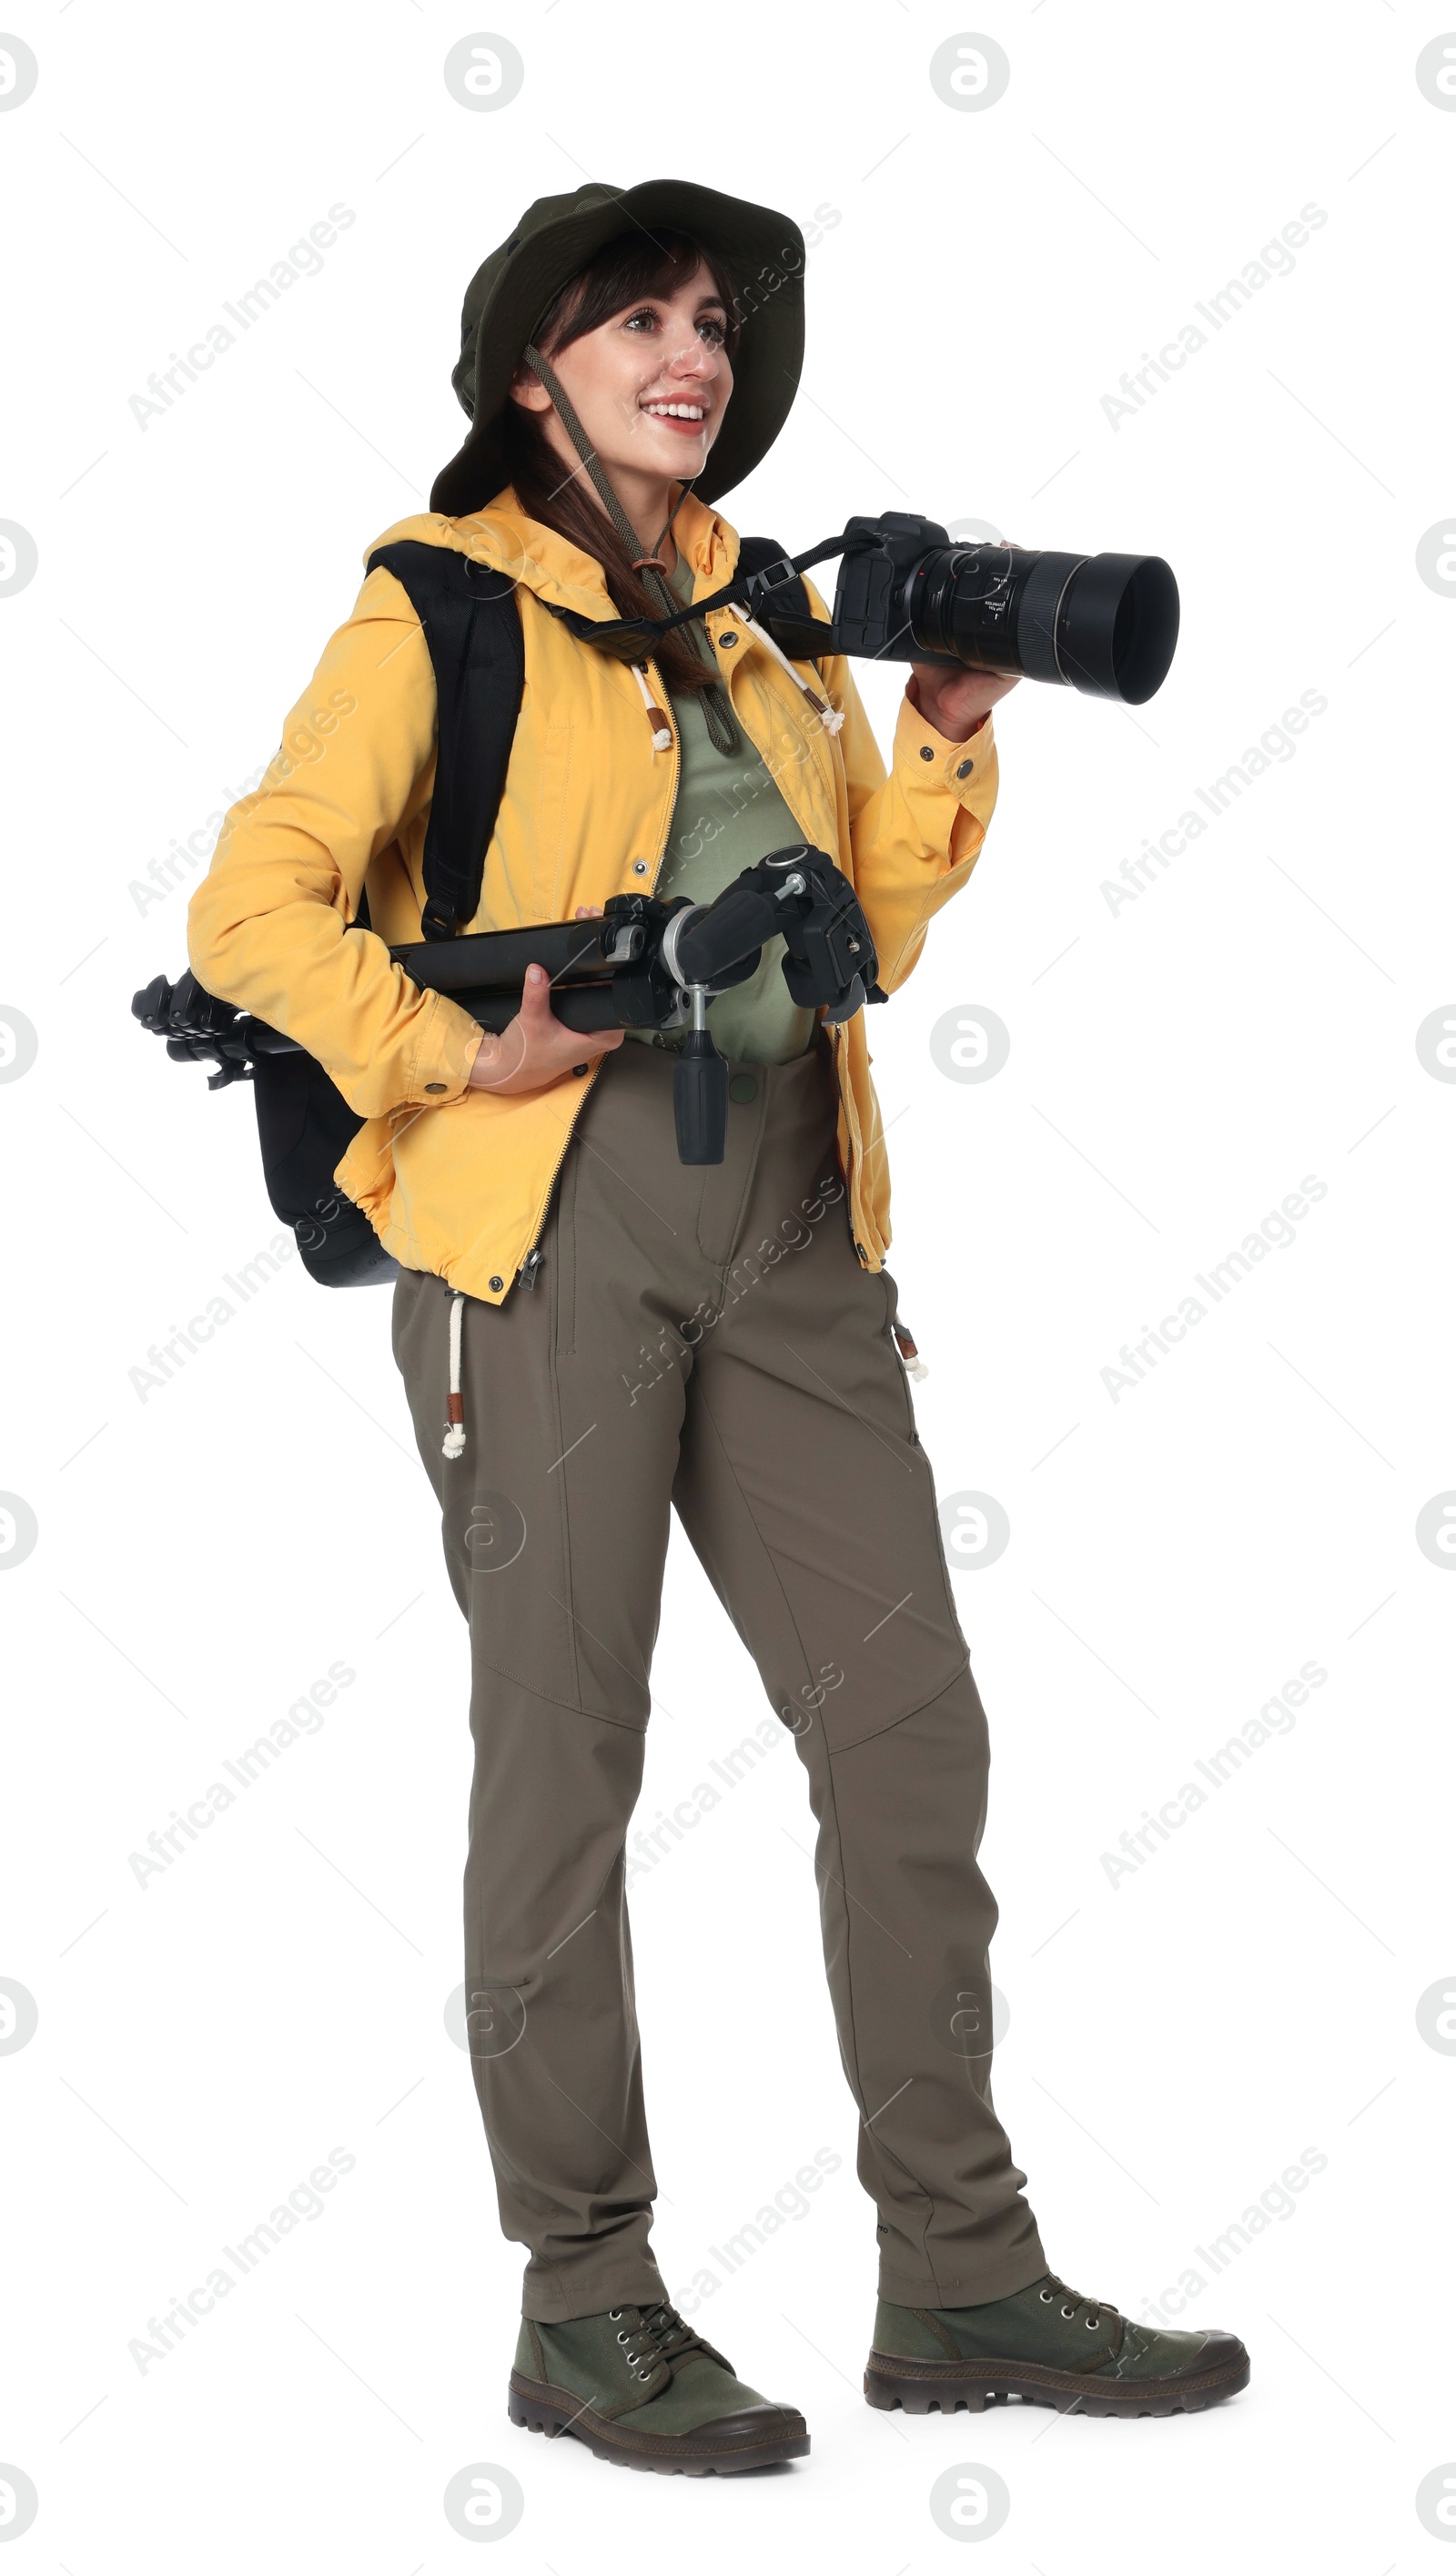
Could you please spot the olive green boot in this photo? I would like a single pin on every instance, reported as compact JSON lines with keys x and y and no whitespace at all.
{"x":1053,"y":2348}
{"x":639,"y":2387}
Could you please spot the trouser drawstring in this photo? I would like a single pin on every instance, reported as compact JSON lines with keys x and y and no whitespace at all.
{"x":905,"y":1345}
{"x":455,"y":1401}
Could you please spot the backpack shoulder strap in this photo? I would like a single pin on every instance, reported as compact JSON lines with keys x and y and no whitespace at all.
{"x":473,"y":629}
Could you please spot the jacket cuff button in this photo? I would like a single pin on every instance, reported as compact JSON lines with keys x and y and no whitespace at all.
{"x":437,"y":1086}
{"x":496,"y":1286}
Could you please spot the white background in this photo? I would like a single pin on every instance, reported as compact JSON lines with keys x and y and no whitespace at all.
{"x":1177,"y":1067}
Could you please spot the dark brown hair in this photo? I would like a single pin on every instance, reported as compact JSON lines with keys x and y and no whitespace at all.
{"x":634,"y":265}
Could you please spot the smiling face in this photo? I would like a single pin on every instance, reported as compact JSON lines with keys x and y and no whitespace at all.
{"x":650,"y":387}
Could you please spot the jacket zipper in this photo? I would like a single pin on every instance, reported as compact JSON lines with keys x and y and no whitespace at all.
{"x":535,"y":1261}
{"x":851,"y":1112}
{"x":856,"y":1158}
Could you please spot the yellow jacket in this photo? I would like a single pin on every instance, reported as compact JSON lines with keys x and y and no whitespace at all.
{"x":459,"y":1181}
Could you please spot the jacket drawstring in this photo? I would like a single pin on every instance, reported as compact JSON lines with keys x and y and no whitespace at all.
{"x":830,"y":717}
{"x":455,"y":1401}
{"x":661,"y":729}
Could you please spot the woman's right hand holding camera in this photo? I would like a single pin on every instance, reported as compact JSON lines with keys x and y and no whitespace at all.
{"x":535,"y":1048}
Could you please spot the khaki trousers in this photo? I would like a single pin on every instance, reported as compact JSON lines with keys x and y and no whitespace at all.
{"x":706,"y":1339}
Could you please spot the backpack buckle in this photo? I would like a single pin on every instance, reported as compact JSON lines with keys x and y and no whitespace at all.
{"x":774,"y":576}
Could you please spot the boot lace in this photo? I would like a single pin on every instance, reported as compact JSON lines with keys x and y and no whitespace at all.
{"x":659,"y":2336}
{"x":1099,"y":2311}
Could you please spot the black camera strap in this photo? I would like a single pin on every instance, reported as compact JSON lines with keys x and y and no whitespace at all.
{"x":765,"y":580}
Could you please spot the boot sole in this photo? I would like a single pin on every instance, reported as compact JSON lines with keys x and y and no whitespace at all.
{"x":917,"y":2387}
{"x":553,"y":2411}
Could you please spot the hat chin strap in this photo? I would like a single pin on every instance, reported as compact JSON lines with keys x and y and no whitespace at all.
{"x":722,"y":729}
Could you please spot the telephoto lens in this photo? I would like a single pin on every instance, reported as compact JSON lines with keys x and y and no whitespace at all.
{"x":1104,"y":624}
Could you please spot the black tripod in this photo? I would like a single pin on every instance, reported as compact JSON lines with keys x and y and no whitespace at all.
{"x":644,"y":964}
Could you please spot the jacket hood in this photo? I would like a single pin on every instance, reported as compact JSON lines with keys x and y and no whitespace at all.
{"x":502,"y":536}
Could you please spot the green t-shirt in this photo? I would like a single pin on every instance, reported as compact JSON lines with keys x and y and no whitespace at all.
{"x":728,"y":814}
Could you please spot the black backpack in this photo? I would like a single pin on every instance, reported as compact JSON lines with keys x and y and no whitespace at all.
{"x":473,"y":629}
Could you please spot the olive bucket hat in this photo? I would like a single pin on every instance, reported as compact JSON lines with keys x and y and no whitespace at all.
{"x":762,"y":252}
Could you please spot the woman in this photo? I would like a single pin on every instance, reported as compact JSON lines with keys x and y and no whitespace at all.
{"x":612,"y":1332}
